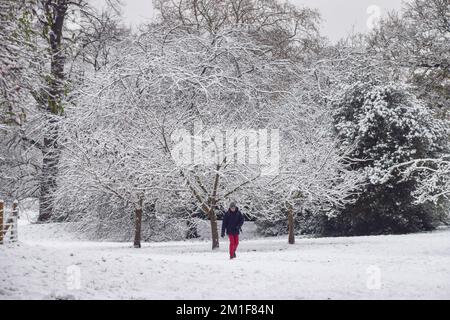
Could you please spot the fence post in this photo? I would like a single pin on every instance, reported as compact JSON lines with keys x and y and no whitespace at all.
{"x":14,"y":216}
{"x":2,"y":207}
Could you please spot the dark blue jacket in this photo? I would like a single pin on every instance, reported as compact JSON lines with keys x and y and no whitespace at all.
{"x":232,"y":222}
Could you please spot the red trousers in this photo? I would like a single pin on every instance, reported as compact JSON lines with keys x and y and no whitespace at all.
{"x":234,"y":241}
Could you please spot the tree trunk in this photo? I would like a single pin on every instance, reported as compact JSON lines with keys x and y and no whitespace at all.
{"x":2,"y":208}
{"x":208,"y":210}
{"x":291,"y":236}
{"x":138,"y":224}
{"x":214,"y":231}
{"x":48,"y":175}
{"x":55,"y":12}
{"x":212,"y":215}
{"x":14,"y":216}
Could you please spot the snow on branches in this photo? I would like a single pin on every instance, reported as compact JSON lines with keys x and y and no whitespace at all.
{"x":387,"y":125}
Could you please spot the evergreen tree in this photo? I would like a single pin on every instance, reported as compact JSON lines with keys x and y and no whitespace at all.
{"x":386,"y":125}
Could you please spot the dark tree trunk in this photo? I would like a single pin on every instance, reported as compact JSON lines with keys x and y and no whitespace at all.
{"x":49,"y":172}
{"x":212,"y":213}
{"x":291,"y":225}
{"x":55,"y":12}
{"x":2,"y":206}
{"x":138,"y":224}
{"x":214,"y":231}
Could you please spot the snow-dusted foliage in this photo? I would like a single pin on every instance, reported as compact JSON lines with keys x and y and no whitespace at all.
{"x":291,"y":32}
{"x":118,"y":136}
{"x":434,"y":179}
{"x":386,"y":126}
{"x":15,"y":63}
{"x":119,"y":141}
{"x":315,"y":179}
{"x":40,"y":66}
{"x":124,"y":131}
{"x":415,"y":44}
{"x":19,"y":61}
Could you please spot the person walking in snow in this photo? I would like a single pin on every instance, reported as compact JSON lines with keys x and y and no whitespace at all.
{"x":231,"y":224}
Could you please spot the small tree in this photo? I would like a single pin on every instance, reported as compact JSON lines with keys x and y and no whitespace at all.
{"x":314,"y":176}
{"x":109,"y":148}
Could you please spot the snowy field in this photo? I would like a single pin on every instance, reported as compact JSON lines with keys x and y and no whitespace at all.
{"x":415,"y":266}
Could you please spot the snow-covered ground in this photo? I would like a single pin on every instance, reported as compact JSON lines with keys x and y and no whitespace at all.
{"x":50,"y":264}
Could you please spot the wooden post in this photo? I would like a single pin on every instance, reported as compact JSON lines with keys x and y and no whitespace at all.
{"x":14,"y":217}
{"x":2,"y":208}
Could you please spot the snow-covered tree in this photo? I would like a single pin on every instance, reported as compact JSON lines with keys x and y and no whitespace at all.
{"x":16,"y":39}
{"x":41,"y":42}
{"x":434,"y":178}
{"x":168,"y":79}
{"x":315,"y":179}
{"x":288,"y":31}
{"x":385,"y":125}
{"x":415,"y":44}
{"x":109,"y":152}
{"x":20,"y":56}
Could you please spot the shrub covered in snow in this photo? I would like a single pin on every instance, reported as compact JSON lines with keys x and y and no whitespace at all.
{"x":386,"y":125}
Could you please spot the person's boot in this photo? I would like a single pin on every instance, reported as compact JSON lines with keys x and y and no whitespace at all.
{"x":234,"y":255}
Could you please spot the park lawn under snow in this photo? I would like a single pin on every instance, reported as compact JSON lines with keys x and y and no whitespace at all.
{"x":415,"y":266}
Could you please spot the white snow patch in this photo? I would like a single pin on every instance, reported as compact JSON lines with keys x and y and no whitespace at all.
{"x":414,"y":266}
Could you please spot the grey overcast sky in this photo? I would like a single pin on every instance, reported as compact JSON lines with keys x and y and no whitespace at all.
{"x":339,"y":16}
